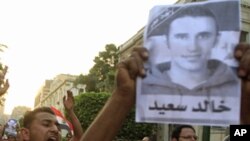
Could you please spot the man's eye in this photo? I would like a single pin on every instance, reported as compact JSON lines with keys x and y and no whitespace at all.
{"x":58,"y":126}
{"x":204,"y":36}
{"x":181,"y":36}
{"x":46,"y":124}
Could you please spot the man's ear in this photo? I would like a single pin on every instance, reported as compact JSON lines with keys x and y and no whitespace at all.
{"x":25,"y":133}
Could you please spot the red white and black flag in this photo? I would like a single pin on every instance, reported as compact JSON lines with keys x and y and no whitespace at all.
{"x":64,"y":123}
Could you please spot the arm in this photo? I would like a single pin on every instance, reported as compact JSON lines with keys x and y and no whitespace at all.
{"x":242,"y":54}
{"x":69,"y":107}
{"x":110,"y":119}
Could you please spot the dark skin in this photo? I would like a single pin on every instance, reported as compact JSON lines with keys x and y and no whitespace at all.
{"x":242,"y":54}
{"x":69,"y":104}
{"x":123,"y":97}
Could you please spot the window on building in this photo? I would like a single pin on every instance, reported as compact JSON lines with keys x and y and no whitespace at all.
{"x":80,"y":90}
{"x":244,"y":36}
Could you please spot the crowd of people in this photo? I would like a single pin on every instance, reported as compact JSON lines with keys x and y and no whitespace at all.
{"x":41,"y":123}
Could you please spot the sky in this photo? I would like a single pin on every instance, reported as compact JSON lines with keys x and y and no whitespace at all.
{"x":50,"y":37}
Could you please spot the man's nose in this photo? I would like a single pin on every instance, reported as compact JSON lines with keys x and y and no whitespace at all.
{"x":55,"y":128}
{"x":192,"y":45}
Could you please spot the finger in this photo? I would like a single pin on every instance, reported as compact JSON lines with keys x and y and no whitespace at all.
{"x":133,"y":68}
{"x":138,"y":66}
{"x":240,"y":50}
{"x":141,"y":55}
{"x":142,"y":52}
{"x":69,"y":93}
{"x":64,"y":99}
{"x":134,"y":65}
{"x":244,"y":65}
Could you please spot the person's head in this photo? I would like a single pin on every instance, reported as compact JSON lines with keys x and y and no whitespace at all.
{"x":146,"y":139}
{"x":190,"y":35}
{"x":191,"y":32}
{"x":184,"y":133}
{"x":226,"y":138}
{"x":40,"y":125}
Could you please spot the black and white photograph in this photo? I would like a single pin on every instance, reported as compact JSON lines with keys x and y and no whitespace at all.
{"x":191,"y":72}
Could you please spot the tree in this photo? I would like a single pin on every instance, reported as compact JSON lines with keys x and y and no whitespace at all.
{"x":104,"y":68}
{"x":101,"y":76}
{"x":88,"y":105}
{"x":89,"y":80}
{"x":4,"y":83}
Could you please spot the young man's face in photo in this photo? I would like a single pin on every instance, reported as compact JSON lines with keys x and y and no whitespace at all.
{"x":190,"y":40}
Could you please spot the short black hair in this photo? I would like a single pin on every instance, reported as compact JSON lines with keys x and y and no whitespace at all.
{"x":29,"y":116}
{"x":177,"y":131}
{"x":192,"y":11}
{"x":161,"y":24}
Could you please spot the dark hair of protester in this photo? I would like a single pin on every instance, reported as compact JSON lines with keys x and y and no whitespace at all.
{"x":177,"y":130}
{"x":30,"y":115}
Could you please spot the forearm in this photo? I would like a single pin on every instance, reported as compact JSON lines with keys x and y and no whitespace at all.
{"x":78,"y":131}
{"x":109,"y":120}
{"x":245,"y":104}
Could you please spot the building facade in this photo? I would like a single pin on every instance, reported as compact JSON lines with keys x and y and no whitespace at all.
{"x":204,"y":133}
{"x":52,"y":93}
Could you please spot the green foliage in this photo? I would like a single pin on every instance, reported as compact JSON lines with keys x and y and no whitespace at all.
{"x":20,"y":121}
{"x":104,"y":68}
{"x":101,"y":75}
{"x":88,"y":105}
{"x":3,"y":85}
{"x":90,"y":80}
{"x":135,"y":131}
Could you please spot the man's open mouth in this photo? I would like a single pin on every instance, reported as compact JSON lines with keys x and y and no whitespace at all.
{"x":52,"y":138}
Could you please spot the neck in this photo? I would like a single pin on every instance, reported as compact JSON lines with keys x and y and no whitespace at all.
{"x":188,"y":78}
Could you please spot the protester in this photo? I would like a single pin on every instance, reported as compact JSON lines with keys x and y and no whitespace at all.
{"x":183,"y":133}
{"x":123,"y":96}
{"x":146,"y":139}
{"x":11,"y":129}
{"x":40,"y":125}
{"x":226,"y":138}
{"x":150,"y":138}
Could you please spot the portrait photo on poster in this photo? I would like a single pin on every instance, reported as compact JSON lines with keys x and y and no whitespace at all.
{"x":191,"y":77}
